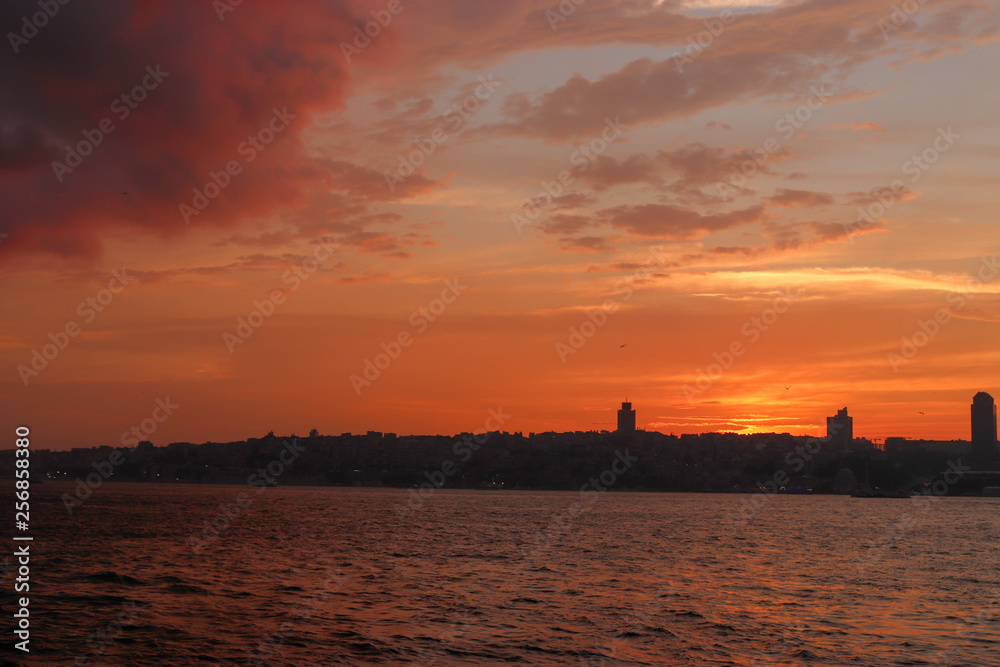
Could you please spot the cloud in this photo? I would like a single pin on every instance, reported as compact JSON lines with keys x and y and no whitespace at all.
{"x":643,"y":91}
{"x":365,"y":183}
{"x":665,"y":221}
{"x":700,"y":166}
{"x":562,"y":223}
{"x":684,"y":173}
{"x":366,"y":277}
{"x":586,"y":244}
{"x":982,"y":309}
{"x":24,"y":147}
{"x":735,"y":4}
{"x":258,"y":262}
{"x":216,"y":86}
{"x":775,"y":55}
{"x":571,"y":201}
{"x":883,"y":194}
{"x":786,"y":198}
{"x":717,"y":125}
{"x":607,"y":172}
{"x":784,"y":237}
{"x":858,"y":126}
{"x":835,"y":231}
{"x":226,"y":78}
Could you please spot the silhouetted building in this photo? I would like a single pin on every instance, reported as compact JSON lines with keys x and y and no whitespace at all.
{"x":902,"y":447}
{"x":840,"y":431}
{"x":984,"y":428}
{"x":626,"y":419}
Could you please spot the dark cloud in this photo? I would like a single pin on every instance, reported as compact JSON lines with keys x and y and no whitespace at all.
{"x":606,"y":172}
{"x":786,"y":198}
{"x":370,"y":184}
{"x":216,"y":84}
{"x":562,"y":223}
{"x":646,"y":91}
{"x":586,"y":244}
{"x":689,"y":174}
{"x":665,"y":221}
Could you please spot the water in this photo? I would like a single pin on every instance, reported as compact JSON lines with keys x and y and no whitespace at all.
{"x":335,"y":576}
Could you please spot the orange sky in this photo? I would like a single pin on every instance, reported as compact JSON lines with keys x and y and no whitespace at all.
{"x":592,"y":208}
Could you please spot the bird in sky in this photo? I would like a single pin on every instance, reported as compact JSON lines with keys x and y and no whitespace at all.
{"x":621,"y":346}
{"x":787,"y":388}
{"x":921,"y":413}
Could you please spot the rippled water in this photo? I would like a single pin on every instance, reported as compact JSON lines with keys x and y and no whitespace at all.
{"x":336,"y":576}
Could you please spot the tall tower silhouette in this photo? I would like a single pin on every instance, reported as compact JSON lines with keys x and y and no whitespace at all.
{"x":984,"y":428}
{"x":840,"y":431}
{"x":626,"y":418}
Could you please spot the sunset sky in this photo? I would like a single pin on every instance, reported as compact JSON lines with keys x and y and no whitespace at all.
{"x":671,"y":180}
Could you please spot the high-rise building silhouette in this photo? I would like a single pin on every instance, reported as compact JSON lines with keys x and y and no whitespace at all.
{"x":984,"y":428}
{"x":840,"y":431}
{"x":626,"y":419}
